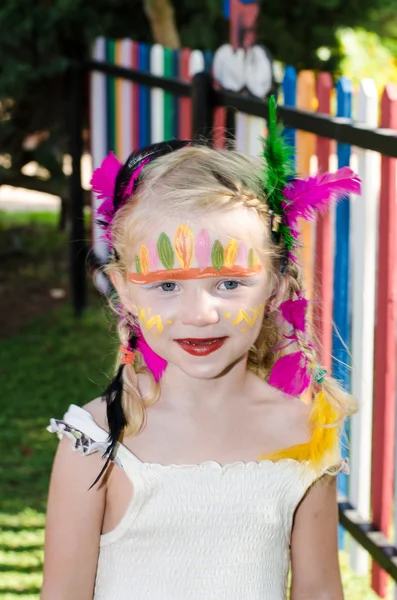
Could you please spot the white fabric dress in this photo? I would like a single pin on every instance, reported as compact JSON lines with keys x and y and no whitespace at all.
{"x":196,"y":532}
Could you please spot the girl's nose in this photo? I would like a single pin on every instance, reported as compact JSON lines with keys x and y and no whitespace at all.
{"x":199,"y":309}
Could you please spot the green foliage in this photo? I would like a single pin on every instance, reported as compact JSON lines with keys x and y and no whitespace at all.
{"x":39,"y":40}
{"x":294,"y":31}
{"x":201,"y":24}
{"x":366,"y":55}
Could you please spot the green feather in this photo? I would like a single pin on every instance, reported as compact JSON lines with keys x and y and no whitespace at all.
{"x":217,"y":255}
{"x":165,"y":250}
{"x":279,"y":168}
{"x":138,"y":265}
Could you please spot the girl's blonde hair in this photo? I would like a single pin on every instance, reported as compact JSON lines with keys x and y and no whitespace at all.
{"x":194,"y":181}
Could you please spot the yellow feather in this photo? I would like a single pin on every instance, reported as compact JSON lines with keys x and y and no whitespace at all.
{"x":323,"y":449}
{"x":230,"y":253}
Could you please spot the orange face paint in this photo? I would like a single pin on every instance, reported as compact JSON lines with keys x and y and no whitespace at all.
{"x":193,"y":273}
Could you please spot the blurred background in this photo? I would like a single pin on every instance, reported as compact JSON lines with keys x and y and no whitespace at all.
{"x":49,"y":357}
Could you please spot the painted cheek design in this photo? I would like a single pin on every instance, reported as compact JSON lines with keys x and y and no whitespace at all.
{"x":243,"y":316}
{"x":152,"y":323}
{"x":149,"y":323}
{"x":233,"y":260}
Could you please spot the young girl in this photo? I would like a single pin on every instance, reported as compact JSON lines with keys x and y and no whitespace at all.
{"x":201,"y":474}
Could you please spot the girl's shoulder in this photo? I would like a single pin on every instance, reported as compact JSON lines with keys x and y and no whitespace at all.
{"x":97,"y":409}
{"x":288,"y":417}
{"x":313,"y":434}
{"x":85,"y":426}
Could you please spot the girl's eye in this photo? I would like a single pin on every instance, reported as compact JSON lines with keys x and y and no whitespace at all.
{"x":168,"y":286}
{"x":229,"y":285}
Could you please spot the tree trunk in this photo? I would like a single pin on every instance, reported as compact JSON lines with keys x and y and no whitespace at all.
{"x":161,"y":17}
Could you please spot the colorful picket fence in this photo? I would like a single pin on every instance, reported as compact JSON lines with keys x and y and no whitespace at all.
{"x":348,"y":257}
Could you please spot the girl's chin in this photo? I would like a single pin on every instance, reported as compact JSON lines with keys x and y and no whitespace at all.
{"x":208,"y":369}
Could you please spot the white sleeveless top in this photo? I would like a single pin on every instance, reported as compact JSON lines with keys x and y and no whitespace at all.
{"x":196,"y":532}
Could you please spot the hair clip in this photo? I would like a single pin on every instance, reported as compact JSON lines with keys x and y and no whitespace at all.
{"x":129,"y":356}
{"x":319,"y":374}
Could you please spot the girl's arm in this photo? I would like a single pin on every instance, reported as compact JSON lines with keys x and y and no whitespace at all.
{"x":73,"y":527}
{"x":314,"y":545}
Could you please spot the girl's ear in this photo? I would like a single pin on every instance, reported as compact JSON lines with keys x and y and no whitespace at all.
{"x":124,"y":291}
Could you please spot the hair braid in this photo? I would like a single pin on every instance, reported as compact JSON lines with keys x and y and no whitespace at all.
{"x":334,"y":393}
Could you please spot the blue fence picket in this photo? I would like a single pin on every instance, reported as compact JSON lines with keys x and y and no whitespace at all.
{"x":208,"y":58}
{"x":144,"y":96}
{"x":226,"y":9}
{"x":341,"y":302}
{"x":289,"y":91}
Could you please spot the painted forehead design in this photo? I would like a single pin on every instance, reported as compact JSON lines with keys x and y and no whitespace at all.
{"x":187,"y":257}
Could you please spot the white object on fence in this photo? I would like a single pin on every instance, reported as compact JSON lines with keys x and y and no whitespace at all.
{"x":229,"y":71}
{"x":98,"y":120}
{"x":259,"y":81}
{"x":258,"y":71}
{"x":196,"y":62}
{"x":157,"y":95}
{"x":229,"y":67}
{"x":364,"y":219}
{"x":127,"y":103}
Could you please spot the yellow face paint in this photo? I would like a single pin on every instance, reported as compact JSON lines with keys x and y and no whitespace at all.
{"x":154,"y":322}
{"x":250,"y":320}
{"x":228,"y":315}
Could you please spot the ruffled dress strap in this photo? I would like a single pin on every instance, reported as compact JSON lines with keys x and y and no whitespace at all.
{"x":79,"y":426}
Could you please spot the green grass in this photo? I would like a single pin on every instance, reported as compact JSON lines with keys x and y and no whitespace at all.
{"x":54,"y":361}
{"x":22,"y":218}
{"x":57,"y":360}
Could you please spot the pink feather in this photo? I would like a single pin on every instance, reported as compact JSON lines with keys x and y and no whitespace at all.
{"x":306,"y":196}
{"x":294,"y":312}
{"x":134,"y":177}
{"x":104,"y":178}
{"x":242,"y":255}
{"x":290,"y":374}
{"x":153,"y":361}
{"x":203,"y":249}
{"x":153,"y":256}
{"x":103,"y":183}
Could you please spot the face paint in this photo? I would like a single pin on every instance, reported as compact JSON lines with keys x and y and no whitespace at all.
{"x":243,"y":315}
{"x":190,"y":258}
{"x":204,"y":284}
{"x":151,"y":322}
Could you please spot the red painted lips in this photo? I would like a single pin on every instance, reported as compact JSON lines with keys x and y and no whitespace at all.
{"x":201,"y":346}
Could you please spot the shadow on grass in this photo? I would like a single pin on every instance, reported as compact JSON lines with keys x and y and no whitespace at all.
{"x":21,"y":548}
{"x":27,"y":570}
{"x":26,"y":591}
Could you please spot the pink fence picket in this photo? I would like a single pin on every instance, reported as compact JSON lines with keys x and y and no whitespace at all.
{"x":385,"y":343}
{"x":322,"y":311}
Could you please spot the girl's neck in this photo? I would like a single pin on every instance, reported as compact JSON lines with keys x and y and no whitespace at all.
{"x":190,"y":394}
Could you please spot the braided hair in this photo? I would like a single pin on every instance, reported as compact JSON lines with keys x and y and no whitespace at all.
{"x":113,"y":394}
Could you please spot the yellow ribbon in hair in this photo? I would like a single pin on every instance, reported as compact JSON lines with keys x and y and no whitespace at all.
{"x":323,"y":449}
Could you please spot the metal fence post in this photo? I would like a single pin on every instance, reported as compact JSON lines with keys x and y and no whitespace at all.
{"x":78,"y":250}
{"x":203,"y":107}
